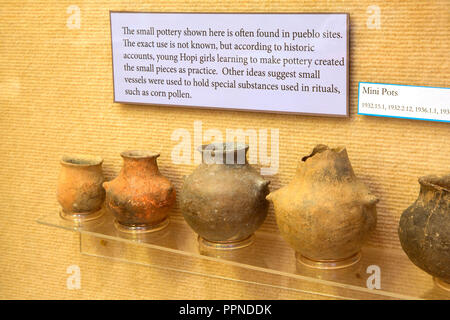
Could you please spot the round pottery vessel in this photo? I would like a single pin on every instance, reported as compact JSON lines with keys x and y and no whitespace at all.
{"x":424,"y":229}
{"x":325,"y":213}
{"x":223,"y":200}
{"x":140,"y":197}
{"x":79,"y":191}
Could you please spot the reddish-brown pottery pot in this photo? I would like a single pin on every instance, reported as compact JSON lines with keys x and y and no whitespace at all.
{"x":79,"y":191}
{"x":424,"y":229}
{"x":140,"y":197}
{"x":325,"y":213}
{"x":223,"y":200}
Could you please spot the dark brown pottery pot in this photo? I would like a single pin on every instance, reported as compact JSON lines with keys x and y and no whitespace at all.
{"x":424,"y":229}
{"x":223,"y":200}
{"x":140,"y":197}
{"x":80,"y":192}
{"x":325,"y":213}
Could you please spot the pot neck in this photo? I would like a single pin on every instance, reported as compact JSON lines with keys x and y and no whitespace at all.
{"x":138,"y":163}
{"x":434,"y":186}
{"x":81,"y":162}
{"x":325,"y":164}
{"x":224,"y":154}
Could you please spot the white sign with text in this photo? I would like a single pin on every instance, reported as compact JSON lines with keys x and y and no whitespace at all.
{"x":403,"y":101}
{"x":294,"y":63}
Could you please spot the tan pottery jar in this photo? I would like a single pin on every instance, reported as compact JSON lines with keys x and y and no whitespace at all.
{"x":325,"y":213}
{"x":79,"y":191}
{"x":224,"y":199}
{"x":140,"y":197}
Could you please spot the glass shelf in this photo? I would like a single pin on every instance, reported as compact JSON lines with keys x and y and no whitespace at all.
{"x":269,"y":261}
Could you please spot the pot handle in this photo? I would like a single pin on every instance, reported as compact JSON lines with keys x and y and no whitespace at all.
{"x":272,"y":196}
{"x":370,"y":200}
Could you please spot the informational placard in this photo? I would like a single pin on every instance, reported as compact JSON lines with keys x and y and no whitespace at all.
{"x":294,"y":63}
{"x":404,"y":101}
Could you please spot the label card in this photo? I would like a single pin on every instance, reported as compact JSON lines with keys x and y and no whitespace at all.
{"x":291,"y":63}
{"x":403,"y":101}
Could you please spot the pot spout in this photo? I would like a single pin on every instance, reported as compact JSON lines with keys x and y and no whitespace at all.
{"x":105,"y":185}
{"x":272,"y":196}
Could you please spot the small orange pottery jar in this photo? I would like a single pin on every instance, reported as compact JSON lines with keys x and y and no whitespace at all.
{"x":140,"y":197}
{"x":79,"y":191}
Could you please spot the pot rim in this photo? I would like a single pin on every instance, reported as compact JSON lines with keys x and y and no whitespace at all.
{"x":223,"y":147}
{"x":81,"y":160}
{"x":321,"y":148}
{"x":439,"y":182}
{"x":139,"y":154}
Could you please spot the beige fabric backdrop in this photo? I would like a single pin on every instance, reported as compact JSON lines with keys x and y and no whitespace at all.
{"x":56,"y":97}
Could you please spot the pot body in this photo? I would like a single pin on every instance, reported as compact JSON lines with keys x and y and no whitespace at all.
{"x":325,"y":213}
{"x":224,"y":200}
{"x":424,"y":228}
{"x":139,"y":196}
{"x":79,"y":190}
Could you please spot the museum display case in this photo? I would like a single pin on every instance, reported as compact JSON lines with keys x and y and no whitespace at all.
{"x":340,"y":107}
{"x":296,"y":63}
